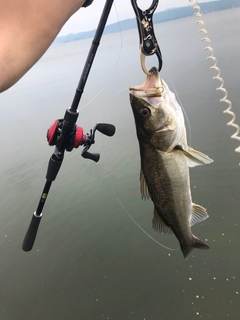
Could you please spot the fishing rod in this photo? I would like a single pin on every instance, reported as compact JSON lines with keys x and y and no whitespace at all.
{"x":65,"y":135}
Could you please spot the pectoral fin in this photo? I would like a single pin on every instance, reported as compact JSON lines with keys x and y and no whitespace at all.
{"x":143,"y":186}
{"x":196,"y":158}
{"x":159,"y":225}
{"x":198,"y":214}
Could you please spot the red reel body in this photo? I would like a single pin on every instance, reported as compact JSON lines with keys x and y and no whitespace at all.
{"x":77,"y":136}
{"x":52,"y":133}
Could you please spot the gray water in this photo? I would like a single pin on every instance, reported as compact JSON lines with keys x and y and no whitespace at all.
{"x":90,"y":260}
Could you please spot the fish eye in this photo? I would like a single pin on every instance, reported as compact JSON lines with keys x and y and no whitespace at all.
{"x":144,"y":112}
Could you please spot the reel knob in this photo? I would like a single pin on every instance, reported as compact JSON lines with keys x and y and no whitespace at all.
{"x":92,"y":156}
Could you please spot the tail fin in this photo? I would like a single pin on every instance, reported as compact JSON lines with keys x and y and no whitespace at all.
{"x":195,"y":243}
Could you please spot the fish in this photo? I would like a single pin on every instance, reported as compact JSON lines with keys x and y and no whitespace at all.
{"x":165,"y":161}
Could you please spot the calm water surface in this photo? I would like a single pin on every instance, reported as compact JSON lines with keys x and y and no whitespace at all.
{"x":90,"y":261}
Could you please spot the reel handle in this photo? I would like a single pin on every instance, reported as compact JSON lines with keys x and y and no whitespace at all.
{"x":106,"y":128}
{"x":92,"y":156}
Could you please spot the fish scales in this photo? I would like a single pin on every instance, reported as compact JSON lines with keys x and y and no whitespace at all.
{"x":165,"y":161}
{"x":169,"y":188}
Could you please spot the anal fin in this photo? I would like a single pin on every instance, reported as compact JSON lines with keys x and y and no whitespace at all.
{"x":159,"y":225}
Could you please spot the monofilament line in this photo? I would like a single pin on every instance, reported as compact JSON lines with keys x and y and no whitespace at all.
{"x":115,"y":194}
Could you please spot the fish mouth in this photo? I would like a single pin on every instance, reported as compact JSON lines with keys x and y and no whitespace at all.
{"x":151,"y":90}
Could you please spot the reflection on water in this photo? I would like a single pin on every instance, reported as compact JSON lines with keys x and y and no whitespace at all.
{"x":90,"y":261}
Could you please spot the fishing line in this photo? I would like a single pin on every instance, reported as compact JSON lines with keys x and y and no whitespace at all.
{"x":218,"y":76}
{"x":90,"y":101}
{"x":119,"y":201}
{"x":110,"y":175}
{"x":116,"y":64}
{"x":125,"y":210}
{"x":185,"y":114}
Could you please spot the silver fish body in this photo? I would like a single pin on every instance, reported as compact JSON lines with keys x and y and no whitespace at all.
{"x":165,"y":160}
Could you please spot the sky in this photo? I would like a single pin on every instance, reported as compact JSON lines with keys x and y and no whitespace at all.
{"x":87,"y":18}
